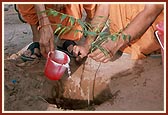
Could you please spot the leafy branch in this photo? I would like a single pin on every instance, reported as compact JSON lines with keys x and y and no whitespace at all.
{"x":86,"y":30}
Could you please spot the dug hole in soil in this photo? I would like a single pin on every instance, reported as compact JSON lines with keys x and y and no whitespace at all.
{"x":121,"y":85}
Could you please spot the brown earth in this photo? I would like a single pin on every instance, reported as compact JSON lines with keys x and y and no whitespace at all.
{"x":121,"y":85}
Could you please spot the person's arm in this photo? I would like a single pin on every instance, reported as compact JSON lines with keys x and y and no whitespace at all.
{"x":135,"y":29}
{"x":43,"y":18}
{"x":143,"y":21}
{"x":45,"y":30}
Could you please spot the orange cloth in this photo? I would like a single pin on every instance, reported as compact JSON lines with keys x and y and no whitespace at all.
{"x":29,"y":14}
{"x":120,"y":16}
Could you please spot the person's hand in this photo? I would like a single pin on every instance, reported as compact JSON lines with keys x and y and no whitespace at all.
{"x":46,"y":40}
{"x":59,"y":7}
{"x":111,"y":46}
{"x":80,"y":52}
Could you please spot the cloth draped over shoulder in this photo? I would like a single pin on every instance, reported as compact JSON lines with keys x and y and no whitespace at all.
{"x":29,"y":14}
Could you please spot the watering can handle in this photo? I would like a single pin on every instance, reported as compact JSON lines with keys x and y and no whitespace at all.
{"x":49,"y":54}
{"x":157,"y":36}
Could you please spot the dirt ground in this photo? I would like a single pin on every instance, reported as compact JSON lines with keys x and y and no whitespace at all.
{"x":121,"y":85}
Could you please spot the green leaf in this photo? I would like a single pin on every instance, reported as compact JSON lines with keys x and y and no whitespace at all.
{"x":62,"y":30}
{"x":101,"y":34}
{"x":88,"y":26}
{"x":63,"y":16}
{"x":82,"y":24}
{"x":90,"y":33}
{"x":113,"y":37}
{"x":66,"y":30}
{"x":99,"y":41}
{"x":55,"y":13}
{"x":101,"y":16}
{"x":58,"y":28}
{"x":51,"y":12}
{"x":72,"y":20}
{"x":97,"y":30}
{"x":101,"y":49}
{"x":124,"y":36}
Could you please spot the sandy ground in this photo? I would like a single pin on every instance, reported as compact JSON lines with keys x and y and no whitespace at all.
{"x":122,"y":85}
